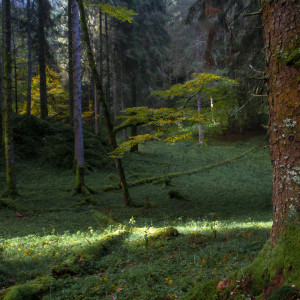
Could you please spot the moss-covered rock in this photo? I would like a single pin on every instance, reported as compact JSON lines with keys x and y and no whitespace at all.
{"x":164,"y":233}
{"x":25,"y":291}
{"x":85,"y":261}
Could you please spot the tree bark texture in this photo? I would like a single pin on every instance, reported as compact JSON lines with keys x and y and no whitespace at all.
{"x":108,"y":123}
{"x":79,"y":152}
{"x":11,"y":187}
{"x":29,"y":58}
{"x":70,"y":63}
{"x":108,"y":84}
{"x":41,"y":59}
{"x":282,"y":31}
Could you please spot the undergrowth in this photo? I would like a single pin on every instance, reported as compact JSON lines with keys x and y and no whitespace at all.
{"x":192,"y":232}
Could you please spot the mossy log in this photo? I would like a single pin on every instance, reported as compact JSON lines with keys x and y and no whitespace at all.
{"x":83,"y":262}
{"x":165,"y":179}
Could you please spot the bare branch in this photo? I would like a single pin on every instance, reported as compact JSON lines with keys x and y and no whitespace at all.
{"x":253,"y":14}
{"x":257,"y":71}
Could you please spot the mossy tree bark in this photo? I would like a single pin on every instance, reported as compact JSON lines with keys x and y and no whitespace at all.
{"x":79,"y":152}
{"x":106,"y":114}
{"x":41,"y":59}
{"x":11,"y":187}
{"x":282,"y":31}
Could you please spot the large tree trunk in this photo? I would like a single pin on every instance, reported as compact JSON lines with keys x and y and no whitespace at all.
{"x":29,"y":62}
{"x":11,"y":187}
{"x":70,"y":64}
{"x":41,"y":59}
{"x":282,"y":30}
{"x":79,"y":154}
{"x":111,"y":135}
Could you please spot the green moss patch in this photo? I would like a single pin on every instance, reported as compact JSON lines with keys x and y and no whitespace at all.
{"x":85,"y":261}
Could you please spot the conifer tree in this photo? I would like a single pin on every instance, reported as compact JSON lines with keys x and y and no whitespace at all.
{"x":11,"y":187}
{"x":79,"y":153}
{"x":41,"y":59}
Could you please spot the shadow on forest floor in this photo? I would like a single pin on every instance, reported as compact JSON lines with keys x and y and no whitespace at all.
{"x":223,"y":217}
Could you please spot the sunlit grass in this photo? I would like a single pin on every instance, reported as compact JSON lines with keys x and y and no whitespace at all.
{"x":222,"y":224}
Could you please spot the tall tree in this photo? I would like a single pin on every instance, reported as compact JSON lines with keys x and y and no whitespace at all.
{"x":70,"y":63}
{"x":79,"y":152}
{"x":106,"y":114}
{"x":41,"y":58}
{"x":11,"y":187}
{"x":29,"y":58}
{"x":282,"y":31}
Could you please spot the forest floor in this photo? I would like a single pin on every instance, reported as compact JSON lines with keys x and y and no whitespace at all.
{"x":58,"y":245}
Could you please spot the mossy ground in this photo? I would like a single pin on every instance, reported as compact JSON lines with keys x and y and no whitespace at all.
{"x":222,"y":226}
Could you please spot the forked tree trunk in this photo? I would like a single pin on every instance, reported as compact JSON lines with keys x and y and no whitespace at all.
{"x":11,"y":187}
{"x":41,"y":59}
{"x":282,"y":31}
{"x":79,"y":154}
{"x":111,"y":135}
{"x":29,"y":58}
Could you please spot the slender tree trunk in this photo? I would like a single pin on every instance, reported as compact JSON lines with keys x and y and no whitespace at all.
{"x":100,"y":69}
{"x":29,"y":58}
{"x":70,"y":64}
{"x":1,"y":76}
{"x":111,"y":135}
{"x":108,"y":84}
{"x":125,"y":135}
{"x":101,"y":46}
{"x":282,"y":31}
{"x":199,"y":98}
{"x":200,"y":126}
{"x":11,"y":187}
{"x":79,"y":153}
{"x":134,"y":104}
{"x":15,"y":75}
{"x":41,"y":59}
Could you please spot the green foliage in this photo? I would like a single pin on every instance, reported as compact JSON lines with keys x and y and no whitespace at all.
{"x":118,"y":12}
{"x":285,"y":293}
{"x":180,"y":124}
{"x":200,"y":83}
{"x":23,"y":291}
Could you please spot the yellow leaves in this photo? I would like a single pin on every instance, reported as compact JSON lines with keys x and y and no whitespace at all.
{"x":200,"y":83}
{"x":118,"y":12}
{"x":56,"y":94}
